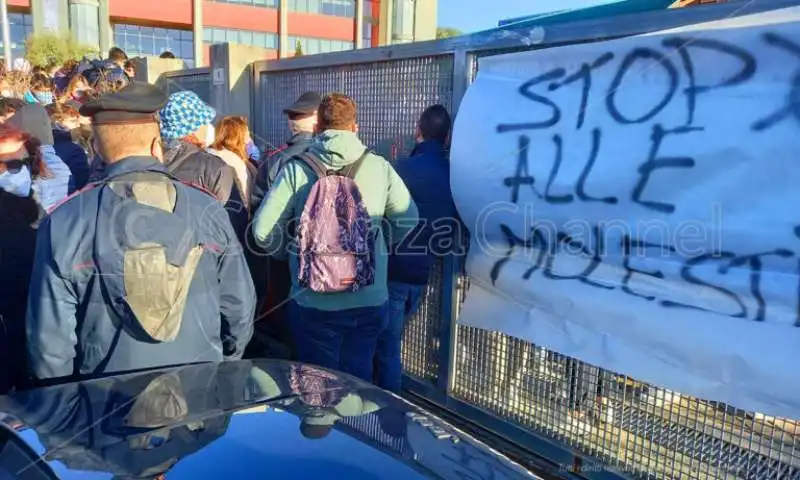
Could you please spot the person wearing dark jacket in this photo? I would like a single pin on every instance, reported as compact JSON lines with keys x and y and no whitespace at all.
{"x":19,"y":217}
{"x":271,"y":276}
{"x":427,"y":176}
{"x":302,"y":117}
{"x":141,"y":270}
{"x":187,"y":130}
{"x":74,"y":156}
{"x":66,"y":119}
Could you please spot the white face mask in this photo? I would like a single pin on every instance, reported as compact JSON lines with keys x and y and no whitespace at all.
{"x":18,"y":184}
{"x":211,"y":133}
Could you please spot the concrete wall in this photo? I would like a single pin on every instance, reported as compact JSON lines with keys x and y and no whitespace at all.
{"x":232,"y":91}
{"x":150,"y":69}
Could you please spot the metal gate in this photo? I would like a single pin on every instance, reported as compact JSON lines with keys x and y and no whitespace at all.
{"x":198,"y":80}
{"x":583,"y":419}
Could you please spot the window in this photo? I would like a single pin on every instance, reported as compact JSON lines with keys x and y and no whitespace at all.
{"x":366,"y":35}
{"x":371,"y":19}
{"x":20,"y":26}
{"x":245,"y":37}
{"x":260,"y":39}
{"x":219,"y":36}
{"x":313,"y":45}
{"x":337,"y":8}
{"x":403,"y":21}
{"x":257,"y":3}
{"x":139,"y":40}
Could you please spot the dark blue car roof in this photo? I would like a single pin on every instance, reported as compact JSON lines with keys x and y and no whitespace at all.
{"x":247,"y":419}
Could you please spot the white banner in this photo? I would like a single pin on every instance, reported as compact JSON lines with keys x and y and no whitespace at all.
{"x":636,"y":204}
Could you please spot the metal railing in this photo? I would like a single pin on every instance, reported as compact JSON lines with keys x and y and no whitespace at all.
{"x":583,"y":419}
{"x":198,"y":80}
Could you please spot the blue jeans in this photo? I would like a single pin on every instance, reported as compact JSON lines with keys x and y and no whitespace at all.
{"x":404,"y":300}
{"x":343,"y":340}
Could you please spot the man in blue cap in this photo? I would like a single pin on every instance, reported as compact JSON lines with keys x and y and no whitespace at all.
{"x":140,"y":270}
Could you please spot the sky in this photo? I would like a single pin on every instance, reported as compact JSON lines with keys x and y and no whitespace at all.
{"x":475,"y":15}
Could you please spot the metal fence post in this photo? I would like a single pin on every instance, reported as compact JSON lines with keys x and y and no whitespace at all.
{"x":462,"y":76}
{"x":447,"y":325}
{"x":257,"y":106}
{"x":452,"y":265}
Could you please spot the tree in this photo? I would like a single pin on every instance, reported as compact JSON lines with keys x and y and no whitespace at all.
{"x":446,"y":32}
{"x":51,"y":48}
{"x":298,"y":49}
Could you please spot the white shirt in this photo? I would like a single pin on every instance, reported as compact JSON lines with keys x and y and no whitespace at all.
{"x":239,"y":167}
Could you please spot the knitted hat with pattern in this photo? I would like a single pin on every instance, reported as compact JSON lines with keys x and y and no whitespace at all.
{"x":183,"y":114}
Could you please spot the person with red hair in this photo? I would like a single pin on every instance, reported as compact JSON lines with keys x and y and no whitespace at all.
{"x":20,"y":164}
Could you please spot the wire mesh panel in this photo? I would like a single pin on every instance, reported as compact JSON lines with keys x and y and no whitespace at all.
{"x":645,"y":431}
{"x":199,"y":83}
{"x":390,"y":96}
{"x":638,"y":429}
{"x":420,"y":349}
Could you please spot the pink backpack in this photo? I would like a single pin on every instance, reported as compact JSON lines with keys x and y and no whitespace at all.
{"x":336,"y":244}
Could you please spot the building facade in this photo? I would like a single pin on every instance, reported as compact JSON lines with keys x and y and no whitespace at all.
{"x":188,"y":28}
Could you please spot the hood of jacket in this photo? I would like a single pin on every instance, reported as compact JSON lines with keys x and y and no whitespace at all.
{"x":338,"y":148}
{"x":33,"y":119}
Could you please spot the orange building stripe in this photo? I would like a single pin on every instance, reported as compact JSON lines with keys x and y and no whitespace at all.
{"x":152,"y":12}
{"x":321,"y":26}
{"x":241,"y":17}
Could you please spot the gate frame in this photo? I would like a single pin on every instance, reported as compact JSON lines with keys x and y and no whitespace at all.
{"x":465,"y":51}
{"x":167,"y":78}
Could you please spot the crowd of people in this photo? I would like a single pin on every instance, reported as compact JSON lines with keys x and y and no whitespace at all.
{"x":142,"y":231}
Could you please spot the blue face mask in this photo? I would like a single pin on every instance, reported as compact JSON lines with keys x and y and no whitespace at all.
{"x":17,"y":183}
{"x":29,"y":98}
{"x":45,"y":98}
{"x":253,"y":152}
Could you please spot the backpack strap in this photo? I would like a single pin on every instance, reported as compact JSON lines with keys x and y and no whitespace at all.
{"x":351,"y":170}
{"x":314,"y":163}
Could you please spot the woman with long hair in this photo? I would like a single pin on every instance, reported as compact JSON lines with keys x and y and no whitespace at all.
{"x":56,"y":185}
{"x":18,"y":174}
{"x":20,"y":164}
{"x":230,"y":144}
